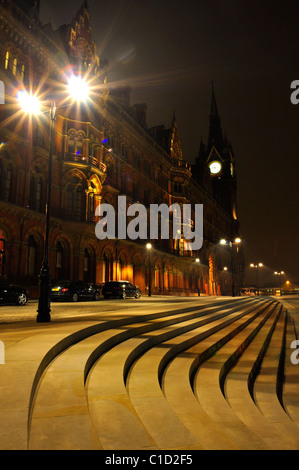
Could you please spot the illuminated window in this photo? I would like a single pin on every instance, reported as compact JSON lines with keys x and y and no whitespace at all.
{"x":15,"y":66}
{"x":23,"y":72}
{"x":91,"y":206}
{"x":7,"y":56}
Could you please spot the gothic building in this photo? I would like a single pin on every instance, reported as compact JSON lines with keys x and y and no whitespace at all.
{"x":101,"y":151}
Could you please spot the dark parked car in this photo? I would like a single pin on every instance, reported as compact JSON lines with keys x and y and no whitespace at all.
{"x":12,"y":294}
{"x":75,"y":290}
{"x":120,"y":289}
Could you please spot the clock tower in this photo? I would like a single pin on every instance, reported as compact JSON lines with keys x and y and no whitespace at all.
{"x":215,"y":164}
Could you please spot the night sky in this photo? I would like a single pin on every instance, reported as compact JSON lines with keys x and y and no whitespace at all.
{"x":169,"y":52}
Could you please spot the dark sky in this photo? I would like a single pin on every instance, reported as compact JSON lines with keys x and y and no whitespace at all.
{"x":169,"y":51}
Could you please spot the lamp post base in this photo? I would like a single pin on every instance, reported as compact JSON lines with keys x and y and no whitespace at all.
{"x":44,"y":296}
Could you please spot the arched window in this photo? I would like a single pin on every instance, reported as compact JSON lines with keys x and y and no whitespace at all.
{"x":79,"y":145}
{"x":38,"y":194}
{"x":74,"y":194}
{"x":69,"y":201}
{"x":7,"y":58}
{"x":31,"y":256}
{"x":71,"y":143}
{"x":59,"y":260}
{"x":86,"y":265}
{"x":23,"y":72}
{"x":15,"y":66}
{"x":35,"y":198}
{"x":91,"y":206}
{"x":78,"y":199}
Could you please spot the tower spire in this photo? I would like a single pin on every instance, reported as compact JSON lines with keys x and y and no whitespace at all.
{"x":215,"y":133}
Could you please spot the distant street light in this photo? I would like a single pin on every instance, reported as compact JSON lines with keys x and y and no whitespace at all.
{"x":257,"y":266}
{"x":30,"y":104}
{"x":149,"y":247}
{"x":231,"y":243}
{"x":280,"y":274}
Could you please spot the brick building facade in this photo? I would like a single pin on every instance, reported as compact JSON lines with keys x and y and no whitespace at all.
{"x":101,"y":151}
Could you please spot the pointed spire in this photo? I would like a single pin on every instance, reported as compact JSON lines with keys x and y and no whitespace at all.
{"x":215,"y":134}
{"x":214,"y":107}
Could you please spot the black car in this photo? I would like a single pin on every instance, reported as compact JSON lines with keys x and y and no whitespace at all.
{"x":75,"y":290}
{"x":12,"y":294}
{"x":120,"y":289}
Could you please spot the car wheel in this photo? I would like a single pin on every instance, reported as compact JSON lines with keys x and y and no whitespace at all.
{"x":138,"y":295}
{"x":124,"y":296}
{"x":97,"y":296}
{"x":21,"y":299}
{"x":75,"y":297}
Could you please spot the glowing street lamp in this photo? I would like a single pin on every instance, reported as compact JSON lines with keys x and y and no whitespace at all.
{"x":30,"y":104}
{"x":280,"y":274}
{"x":231,"y":243}
{"x":149,"y":247}
{"x":257,"y":266}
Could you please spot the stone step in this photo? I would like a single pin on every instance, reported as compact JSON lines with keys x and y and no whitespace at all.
{"x":177,"y":387}
{"x":238,"y":385}
{"x":52,"y":421}
{"x":108,"y":399}
{"x":209,"y":392}
{"x":146,"y":394}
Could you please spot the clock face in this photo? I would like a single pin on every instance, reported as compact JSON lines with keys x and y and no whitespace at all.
{"x":215,"y":168}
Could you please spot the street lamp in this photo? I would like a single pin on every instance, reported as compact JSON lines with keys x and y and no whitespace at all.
{"x":149,"y":247}
{"x":30,"y":104}
{"x":280,"y":274}
{"x":230,"y":243}
{"x":257,"y":266}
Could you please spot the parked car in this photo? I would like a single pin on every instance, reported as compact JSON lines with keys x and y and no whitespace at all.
{"x":120,"y":289}
{"x":75,"y":290}
{"x":13,"y":294}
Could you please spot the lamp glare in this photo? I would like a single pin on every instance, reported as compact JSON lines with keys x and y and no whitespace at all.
{"x":78,"y":88}
{"x":29,"y":103}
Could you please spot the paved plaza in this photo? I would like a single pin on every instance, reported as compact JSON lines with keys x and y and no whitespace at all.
{"x":177,"y":373}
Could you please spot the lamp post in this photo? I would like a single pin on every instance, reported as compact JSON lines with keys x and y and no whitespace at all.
{"x":280,"y":274}
{"x":197,"y":261}
{"x":30,"y":104}
{"x":230,"y":243}
{"x":44,"y":308}
{"x":149,"y":247}
{"x":257,"y":266}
